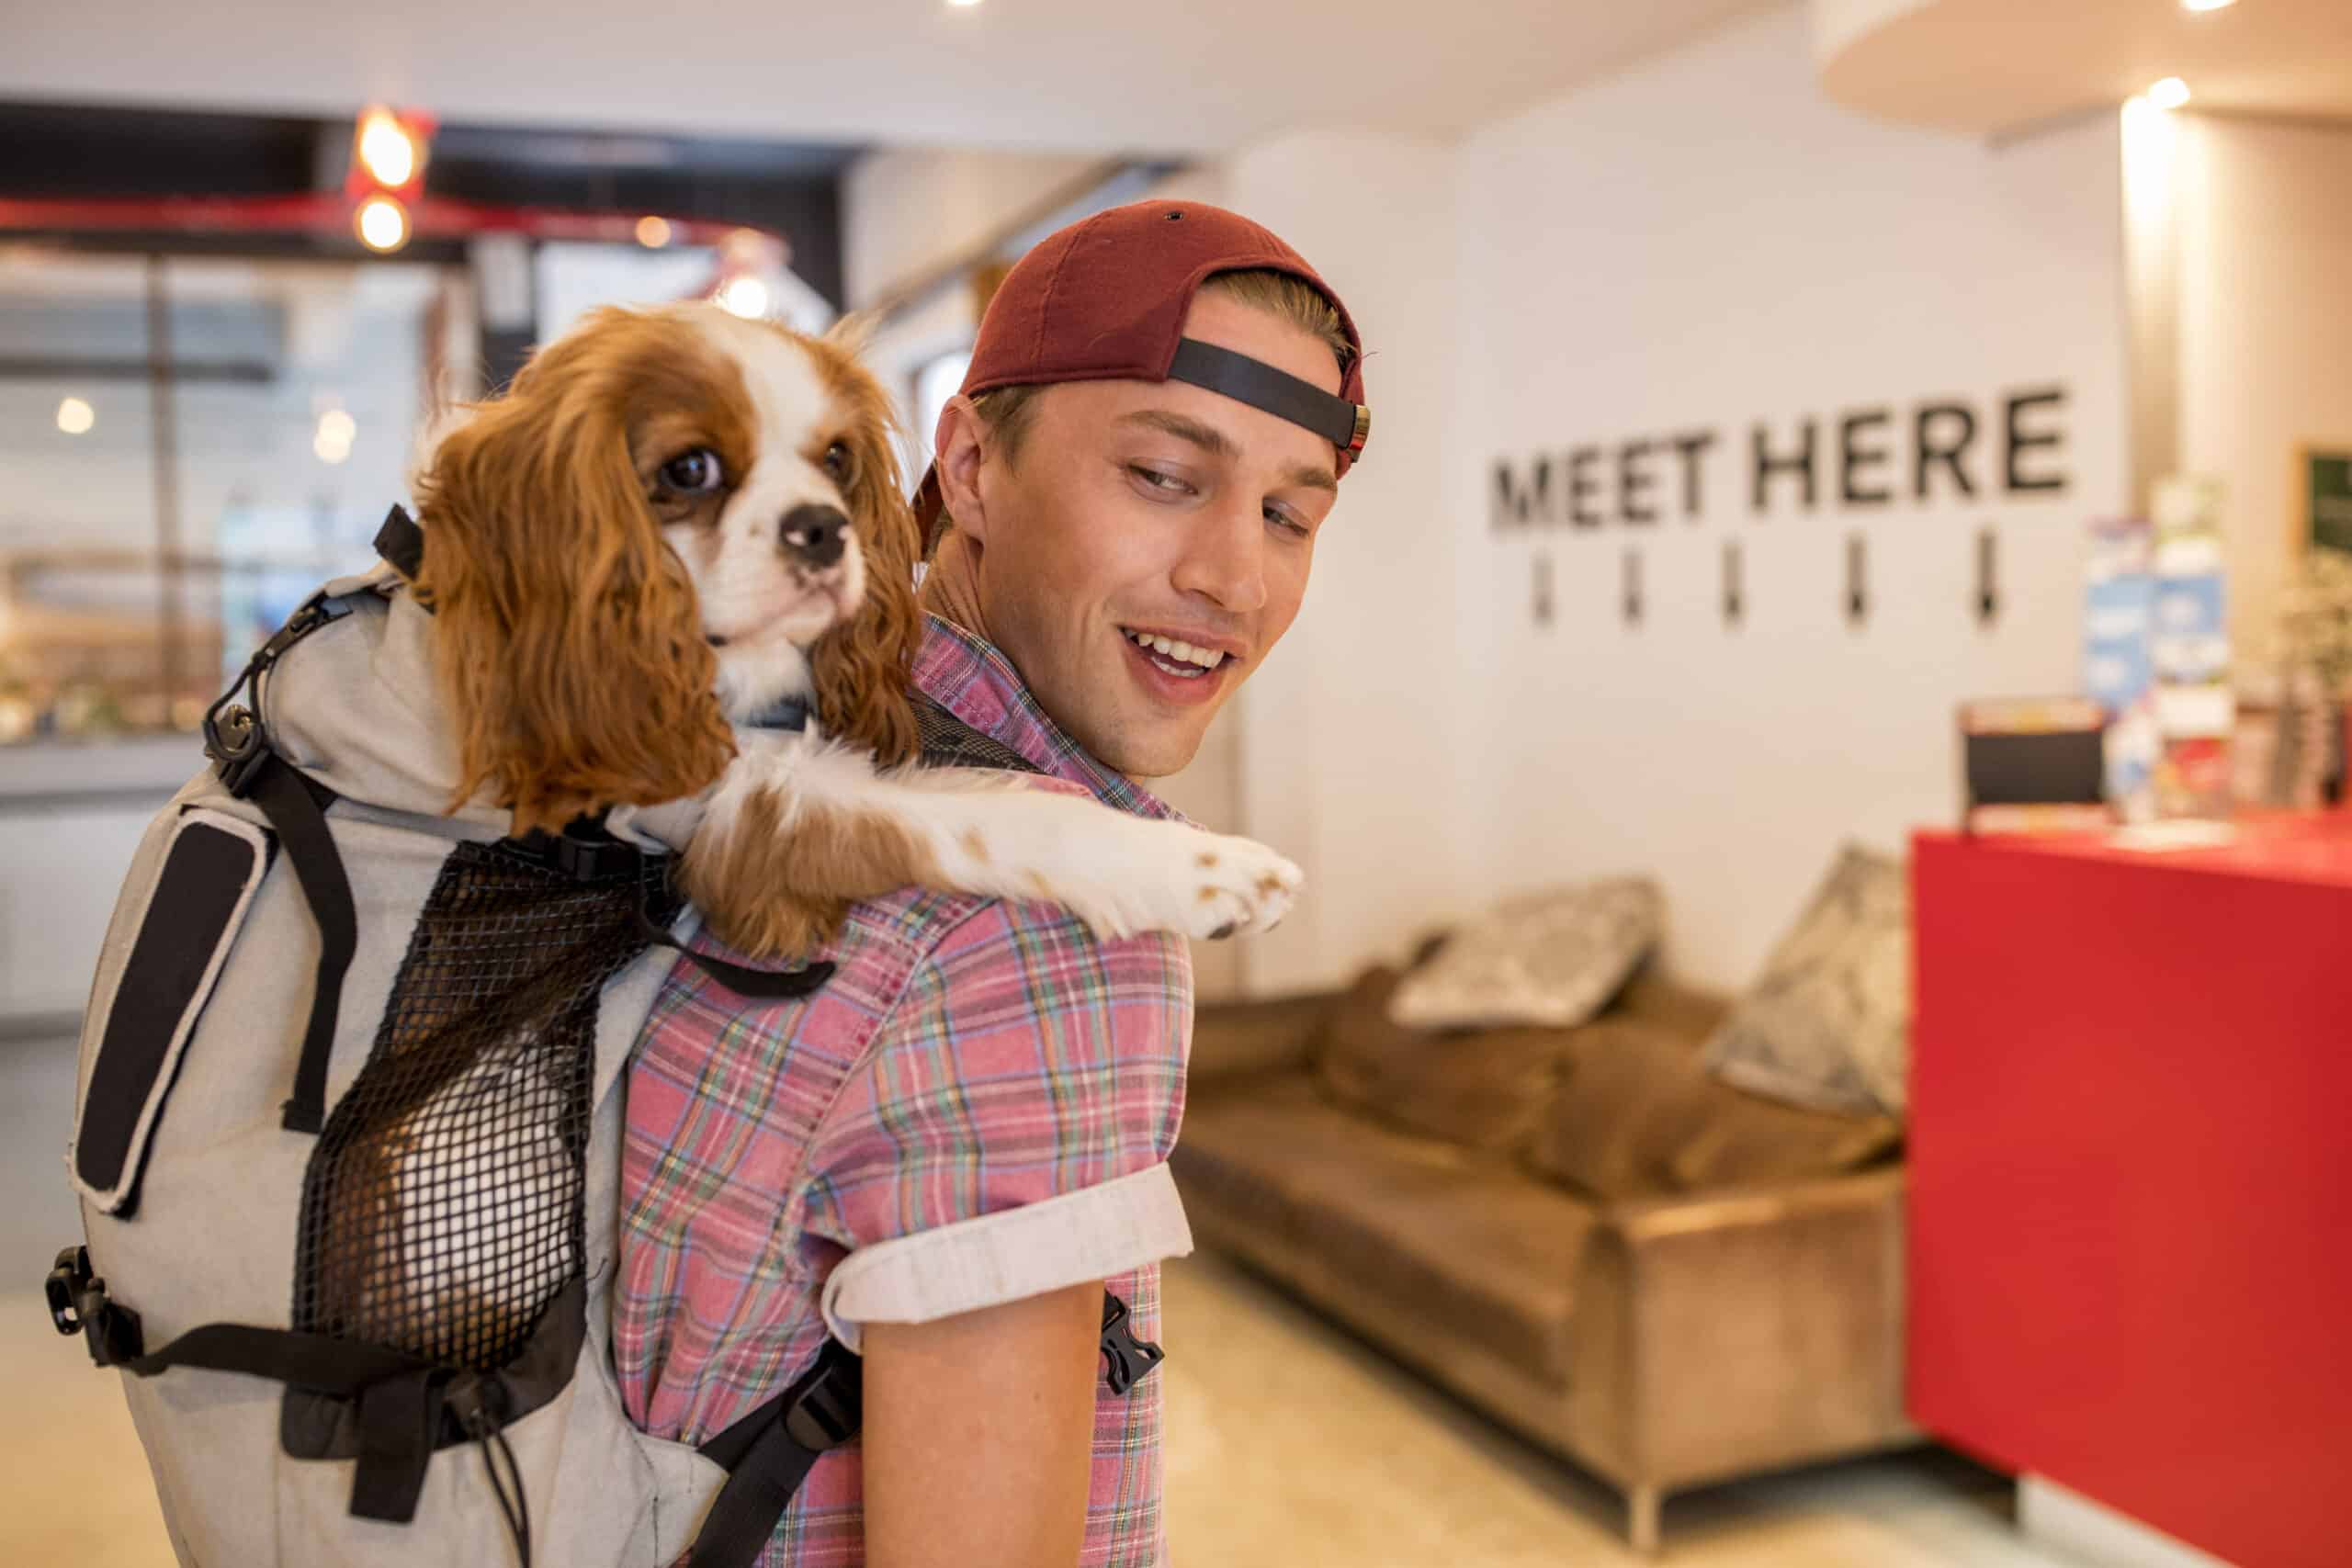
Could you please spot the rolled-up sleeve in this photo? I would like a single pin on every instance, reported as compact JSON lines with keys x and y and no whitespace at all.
{"x":1007,"y":1133}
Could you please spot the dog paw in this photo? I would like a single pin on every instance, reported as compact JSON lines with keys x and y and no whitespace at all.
{"x":1237,"y":885}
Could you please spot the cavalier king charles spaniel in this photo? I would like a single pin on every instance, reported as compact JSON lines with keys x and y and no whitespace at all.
{"x":677,"y":519}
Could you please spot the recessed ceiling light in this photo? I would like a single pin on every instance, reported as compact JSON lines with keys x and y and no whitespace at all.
{"x":76,"y":417}
{"x":2168,"y":94}
{"x":2205,"y":4}
{"x":963,"y":5}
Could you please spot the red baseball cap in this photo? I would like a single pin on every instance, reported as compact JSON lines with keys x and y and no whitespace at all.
{"x":1105,"y":299}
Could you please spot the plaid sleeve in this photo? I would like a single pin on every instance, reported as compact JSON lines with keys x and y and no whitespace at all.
{"x":1008,"y":1133}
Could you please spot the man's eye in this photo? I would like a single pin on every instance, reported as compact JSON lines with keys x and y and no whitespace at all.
{"x":1155,"y":479}
{"x":698,"y":472}
{"x":1286,"y":522}
{"x":837,"y":462}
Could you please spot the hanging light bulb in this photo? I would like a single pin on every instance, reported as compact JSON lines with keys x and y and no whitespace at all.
{"x":746,"y":296}
{"x":382,"y":223}
{"x":386,"y":148}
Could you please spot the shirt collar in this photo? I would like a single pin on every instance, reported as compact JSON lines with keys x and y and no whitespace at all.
{"x":972,"y":679}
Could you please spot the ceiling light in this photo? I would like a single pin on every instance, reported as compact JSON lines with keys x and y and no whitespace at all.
{"x":2205,"y":4}
{"x":385,"y":149}
{"x":382,"y":223}
{"x":338,"y":426}
{"x":653,"y":233}
{"x":2168,"y":94}
{"x":747,"y":297}
{"x":963,"y":5}
{"x":75,"y":417}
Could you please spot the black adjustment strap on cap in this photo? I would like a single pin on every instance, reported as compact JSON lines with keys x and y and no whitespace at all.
{"x":402,"y":541}
{"x":1237,"y":376}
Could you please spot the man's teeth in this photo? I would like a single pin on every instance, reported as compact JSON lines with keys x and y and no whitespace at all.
{"x":1183,"y":652}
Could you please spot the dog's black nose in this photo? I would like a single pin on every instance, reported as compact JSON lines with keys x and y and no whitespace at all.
{"x":815,"y":536}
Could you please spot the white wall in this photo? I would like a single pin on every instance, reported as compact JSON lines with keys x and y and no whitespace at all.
{"x":2264,"y":224}
{"x":905,"y":209}
{"x":1349,"y":734}
{"x":1702,"y":243}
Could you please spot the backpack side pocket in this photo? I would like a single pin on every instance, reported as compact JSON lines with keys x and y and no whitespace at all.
{"x":210,"y":869}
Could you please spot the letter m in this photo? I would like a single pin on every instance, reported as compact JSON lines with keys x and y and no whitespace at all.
{"x":1518,"y":505}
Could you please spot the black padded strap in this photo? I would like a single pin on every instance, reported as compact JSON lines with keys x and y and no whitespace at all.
{"x":949,"y":742}
{"x":402,"y":541}
{"x":297,"y":809}
{"x":760,"y":984}
{"x":769,"y":1454}
{"x":1253,"y":381}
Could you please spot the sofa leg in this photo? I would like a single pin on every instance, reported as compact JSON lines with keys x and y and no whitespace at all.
{"x":1641,"y":1504}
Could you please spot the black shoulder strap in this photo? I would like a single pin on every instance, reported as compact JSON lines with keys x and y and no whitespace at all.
{"x":770,"y":1452}
{"x":949,"y":742}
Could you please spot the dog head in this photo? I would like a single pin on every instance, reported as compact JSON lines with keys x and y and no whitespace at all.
{"x":672,"y":518}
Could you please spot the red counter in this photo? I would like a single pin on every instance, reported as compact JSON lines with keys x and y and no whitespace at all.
{"x":2131,"y":1175}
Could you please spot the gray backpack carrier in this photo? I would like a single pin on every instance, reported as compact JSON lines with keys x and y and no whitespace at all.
{"x":347,"y":1144}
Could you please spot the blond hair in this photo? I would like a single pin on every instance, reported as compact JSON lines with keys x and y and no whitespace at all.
{"x":1007,"y":412}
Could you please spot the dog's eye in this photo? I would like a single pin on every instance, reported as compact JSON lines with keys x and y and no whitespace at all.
{"x":837,"y":462}
{"x":694,"y":473}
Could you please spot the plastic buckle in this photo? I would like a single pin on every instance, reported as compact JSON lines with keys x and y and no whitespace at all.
{"x":78,"y":1304}
{"x":1130,"y":1359}
{"x":238,"y":749}
{"x":828,"y":1411}
{"x":67,"y":1282}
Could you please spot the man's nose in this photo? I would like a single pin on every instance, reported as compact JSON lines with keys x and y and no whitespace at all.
{"x":1225,"y":560}
{"x":814,"y":536}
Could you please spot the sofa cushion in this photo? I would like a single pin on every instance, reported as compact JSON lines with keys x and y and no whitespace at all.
{"x":1471,"y":1247}
{"x":1639,"y":1116}
{"x":1553,"y":958}
{"x":1829,"y":1025}
{"x":1485,"y":1088}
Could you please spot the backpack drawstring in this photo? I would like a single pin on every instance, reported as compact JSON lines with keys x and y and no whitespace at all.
{"x":474,"y":1401}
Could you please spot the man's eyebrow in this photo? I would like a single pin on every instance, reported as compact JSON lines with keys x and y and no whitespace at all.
{"x":1218,"y":445}
{"x":1210,"y":439}
{"x":1312,"y":476}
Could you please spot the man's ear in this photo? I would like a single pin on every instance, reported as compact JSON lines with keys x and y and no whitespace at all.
{"x":961,"y":444}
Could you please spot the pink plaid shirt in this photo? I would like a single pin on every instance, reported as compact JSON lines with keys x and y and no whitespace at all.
{"x":969,"y":1057}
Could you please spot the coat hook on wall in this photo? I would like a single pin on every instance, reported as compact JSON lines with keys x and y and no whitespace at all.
{"x":1735,"y":595}
{"x":1632,"y":587}
{"x":1542,"y":590}
{"x":1988,"y":575}
{"x":1858,"y":579}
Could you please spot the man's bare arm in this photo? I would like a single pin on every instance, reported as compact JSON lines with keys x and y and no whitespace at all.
{"x":978,"y":1434}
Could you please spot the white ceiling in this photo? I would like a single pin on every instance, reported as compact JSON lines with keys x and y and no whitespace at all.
{"x":1107,"y":75}
{"x":1994,"y":65}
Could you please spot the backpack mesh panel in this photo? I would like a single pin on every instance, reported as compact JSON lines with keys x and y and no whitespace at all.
{"x":442,"y":1206}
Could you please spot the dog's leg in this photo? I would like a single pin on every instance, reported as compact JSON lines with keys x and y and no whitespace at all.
{"x":796,"y":834}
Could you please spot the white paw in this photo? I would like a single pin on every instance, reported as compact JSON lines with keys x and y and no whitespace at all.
{"x":1236,"y":885}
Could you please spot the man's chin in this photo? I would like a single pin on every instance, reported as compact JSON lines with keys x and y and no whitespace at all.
{"x":1150,"y":748}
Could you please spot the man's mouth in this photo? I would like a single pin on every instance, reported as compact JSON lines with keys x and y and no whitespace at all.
{"x":1177,"y":658}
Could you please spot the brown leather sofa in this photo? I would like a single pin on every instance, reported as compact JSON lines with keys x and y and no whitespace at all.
{"x":1580,"y":1232}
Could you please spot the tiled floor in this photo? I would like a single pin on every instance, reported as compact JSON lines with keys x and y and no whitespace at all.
{"x":1289,"y":1444}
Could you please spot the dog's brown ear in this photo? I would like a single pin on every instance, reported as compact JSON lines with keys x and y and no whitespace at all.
{"x":862,"y":668}
{"x":567,"y":633}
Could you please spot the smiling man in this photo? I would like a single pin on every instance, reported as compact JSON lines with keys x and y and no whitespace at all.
{"x":947,"y":1155}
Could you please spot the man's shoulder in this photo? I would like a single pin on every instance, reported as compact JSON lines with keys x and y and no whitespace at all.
{"x":960,"y":936}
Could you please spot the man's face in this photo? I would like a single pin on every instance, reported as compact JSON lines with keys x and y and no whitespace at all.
{"x":1147,"y":527}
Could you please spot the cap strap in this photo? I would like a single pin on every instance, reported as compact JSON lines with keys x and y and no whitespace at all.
{"x":1344,"y":424}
